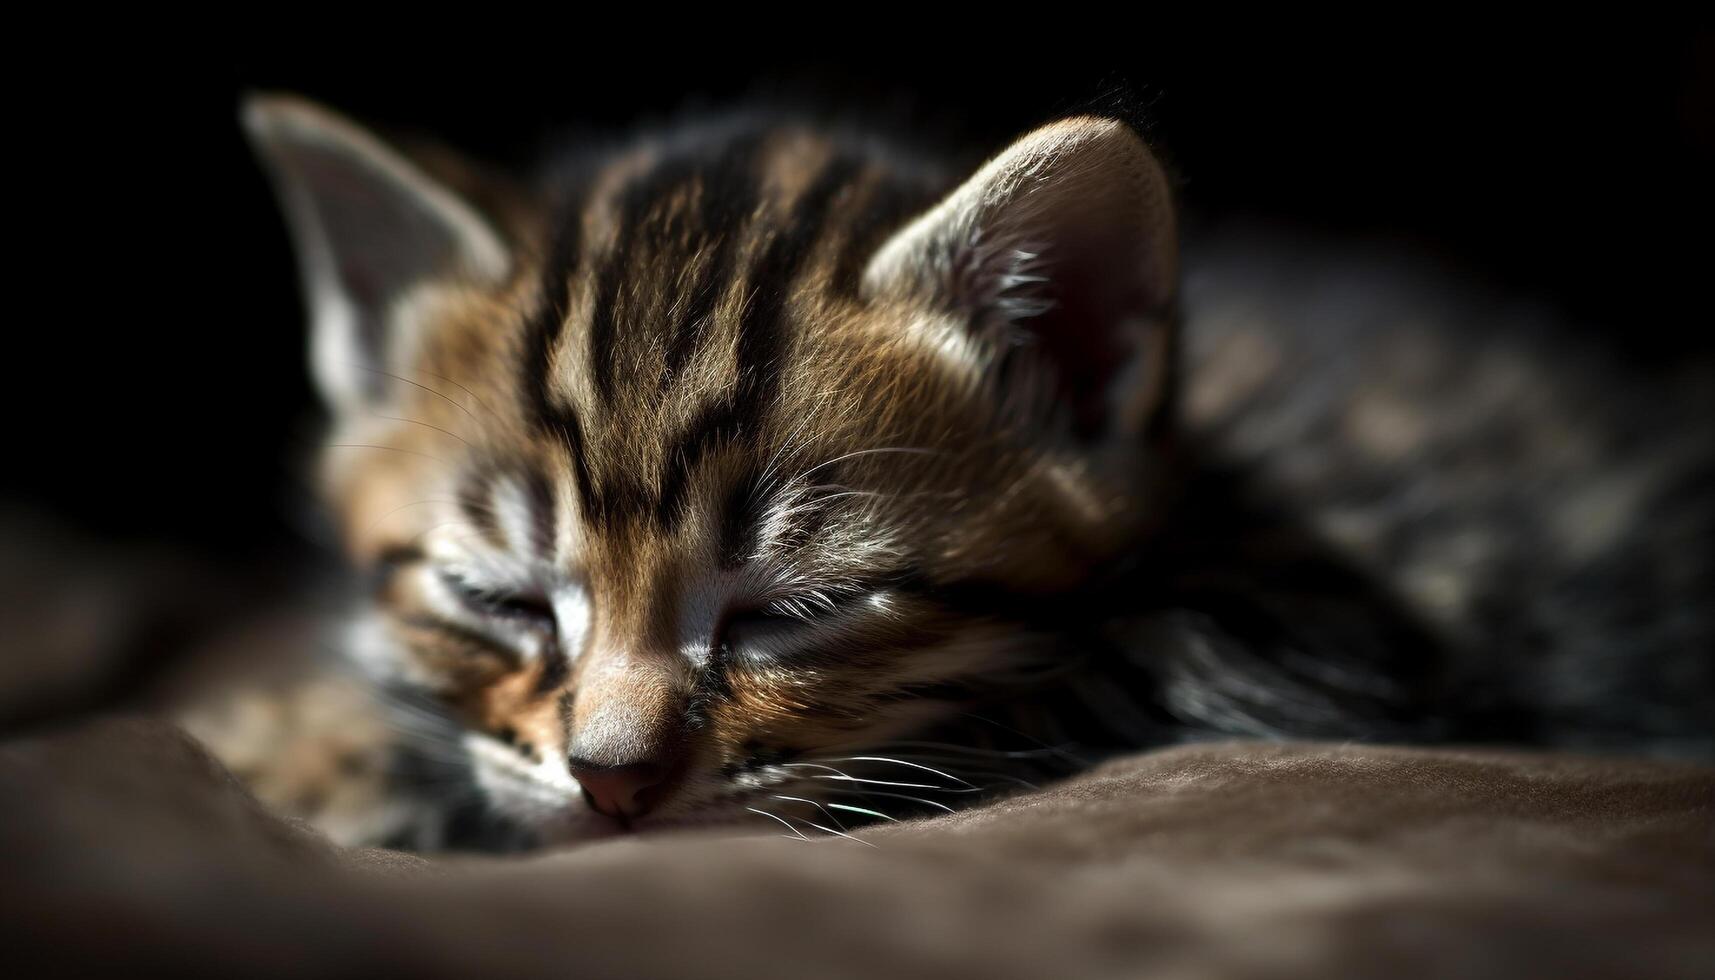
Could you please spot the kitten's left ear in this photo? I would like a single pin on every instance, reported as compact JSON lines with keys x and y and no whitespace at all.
{"x":368,"y":225}
{"x":1061,"y":258}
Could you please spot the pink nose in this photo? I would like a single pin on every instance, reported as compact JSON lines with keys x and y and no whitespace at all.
{"x":622,"y":792}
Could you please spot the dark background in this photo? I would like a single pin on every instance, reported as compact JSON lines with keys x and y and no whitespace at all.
{"x":160,"y":395}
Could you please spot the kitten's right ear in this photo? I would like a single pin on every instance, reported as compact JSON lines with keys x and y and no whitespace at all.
{"x":367,"y":225}
{"x":1060,"y":257}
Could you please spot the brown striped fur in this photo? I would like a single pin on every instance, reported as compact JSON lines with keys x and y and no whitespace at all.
{"x":702,"y":405}
{"x":746,"y":451}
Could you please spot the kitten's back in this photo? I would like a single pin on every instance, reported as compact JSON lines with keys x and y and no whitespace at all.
{"x":1541,"y":506}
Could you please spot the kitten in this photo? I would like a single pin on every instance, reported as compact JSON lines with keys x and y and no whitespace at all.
{"x":756,"y":470}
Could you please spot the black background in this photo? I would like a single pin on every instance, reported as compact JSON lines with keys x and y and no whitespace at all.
{"x":160,"y":394}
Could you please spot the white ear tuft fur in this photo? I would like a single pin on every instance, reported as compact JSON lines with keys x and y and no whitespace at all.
{"x":1064,"y":244}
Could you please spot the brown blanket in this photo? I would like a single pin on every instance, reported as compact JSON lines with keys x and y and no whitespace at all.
{"x":126,"y":849}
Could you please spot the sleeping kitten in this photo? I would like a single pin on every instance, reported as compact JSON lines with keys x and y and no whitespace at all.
{"x":753,"y":470}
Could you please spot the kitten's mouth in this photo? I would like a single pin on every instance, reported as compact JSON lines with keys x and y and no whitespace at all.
{"x":619,"y":820}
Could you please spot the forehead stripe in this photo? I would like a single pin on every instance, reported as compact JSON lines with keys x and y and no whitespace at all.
{"x":717,"y":423}
{"x":572,"y":433}
{"x":728,"y":200}
{"x":762,"y":333}
{"x":761,"y":342}
{"x":548,"y":322}
{"x":642,"y":211}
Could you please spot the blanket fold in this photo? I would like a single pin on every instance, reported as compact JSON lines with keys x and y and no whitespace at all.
{"x":128,"y":850}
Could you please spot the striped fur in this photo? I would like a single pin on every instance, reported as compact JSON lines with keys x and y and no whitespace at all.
{"x":769,"y":447}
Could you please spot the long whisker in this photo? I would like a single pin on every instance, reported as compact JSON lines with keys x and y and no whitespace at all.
{"x":891,"y":796}
{"x":800,"y":799}
{"x":902,"y":762}
{"x":883,"y":782}
{"x":842,"y":777}
{"x":836,"y":833}
{"x":859,"y":809}
{"x":442,"y":397}
{"x":441,"y":377}
{"x":396,"y":418}
{"x":764,"y":813}
{"x":1000,"y":774}
{"x":868,"y":452}
{"x":810,"y":765}
{"x":786,"y":446}
{"x":830,"y":830}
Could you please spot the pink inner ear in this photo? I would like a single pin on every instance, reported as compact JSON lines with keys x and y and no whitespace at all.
{"x":1092,"y":294}
{"x":1062,"y":253}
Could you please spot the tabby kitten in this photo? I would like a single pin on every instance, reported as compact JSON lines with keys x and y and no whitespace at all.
{"x":756,"y":470}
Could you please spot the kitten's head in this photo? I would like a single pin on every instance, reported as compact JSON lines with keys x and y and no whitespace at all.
{"x":737,"y":451}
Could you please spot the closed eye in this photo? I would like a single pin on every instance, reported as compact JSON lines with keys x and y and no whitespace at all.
{"x":764,"y":617}
{"x":522,"y":607}
{"x":756,"y":632}
{"x":770,"y":628}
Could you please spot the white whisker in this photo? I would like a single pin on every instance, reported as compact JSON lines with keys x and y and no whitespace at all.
{"x":861,"y":810}
{"x":892,"y":796}
{"x":800,"y":799}
{"x":867,"y":452}
{"x":902,"y":762}
{"x":827,"y":830}
{"x":843,"y":777}
{"x":764,"y":813}
{"x":883,"y":782}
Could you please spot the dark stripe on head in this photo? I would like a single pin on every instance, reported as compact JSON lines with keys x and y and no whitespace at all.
{"x":634,"y":230}
{"x":546,"y":325}
{"x":741,"y":519}
{"x":571,"y":433}
{"x":762,"y":333}
{"x":717,"y":423}
{"x":729,"y":198}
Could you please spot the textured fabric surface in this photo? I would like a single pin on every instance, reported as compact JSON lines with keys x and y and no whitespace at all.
{"x":126,"y":849}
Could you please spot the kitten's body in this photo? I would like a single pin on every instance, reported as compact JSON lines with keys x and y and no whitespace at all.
{"x":1538,"y":506}
{"x":1426,"y":512}
{"x":722,"y":466}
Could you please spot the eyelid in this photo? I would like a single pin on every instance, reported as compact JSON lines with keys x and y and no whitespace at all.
{"x":496,"y":600}
{"x":805,"y":608}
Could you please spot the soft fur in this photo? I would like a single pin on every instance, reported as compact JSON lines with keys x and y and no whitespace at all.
{"x":753,"y":465}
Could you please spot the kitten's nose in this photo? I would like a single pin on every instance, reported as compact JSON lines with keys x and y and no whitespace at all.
{"x":624,"y":792}
{"x":626,"y":732}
